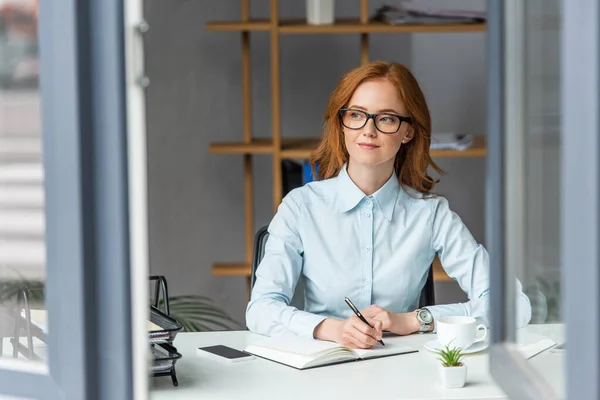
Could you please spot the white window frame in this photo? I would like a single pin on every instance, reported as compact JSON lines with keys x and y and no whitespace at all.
{"x":580,"y":197}
{"x":83,"y":88}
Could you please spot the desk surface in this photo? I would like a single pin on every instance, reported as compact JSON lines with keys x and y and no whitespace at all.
{"x":408,"y":376}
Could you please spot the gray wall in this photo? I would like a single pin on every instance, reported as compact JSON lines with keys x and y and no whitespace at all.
{"x":196,"y":199}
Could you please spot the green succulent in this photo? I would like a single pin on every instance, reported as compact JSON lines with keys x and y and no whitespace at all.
{"x":451,"y":357}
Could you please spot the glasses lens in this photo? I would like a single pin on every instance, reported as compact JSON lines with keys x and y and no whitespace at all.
{"x":354,"y":119}
{"x":387,"y":123}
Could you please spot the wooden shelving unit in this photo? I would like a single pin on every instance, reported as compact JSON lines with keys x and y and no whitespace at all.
{"x":300,"y":148}
{"x":340,"y":26}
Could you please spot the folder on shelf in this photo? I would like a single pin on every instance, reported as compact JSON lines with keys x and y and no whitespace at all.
{"x":308,"y":174}
{"x":450,"y":141}
{"x":407,"y":14}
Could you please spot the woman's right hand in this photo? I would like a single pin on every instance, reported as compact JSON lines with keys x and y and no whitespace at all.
{"x":351,"y":333}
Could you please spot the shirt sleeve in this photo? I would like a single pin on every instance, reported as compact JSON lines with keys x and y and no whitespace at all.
{"x":268,"y":311}
{"x":468,"y":263}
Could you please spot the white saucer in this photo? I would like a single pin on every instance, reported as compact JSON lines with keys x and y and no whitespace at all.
{"x":435,"y":346}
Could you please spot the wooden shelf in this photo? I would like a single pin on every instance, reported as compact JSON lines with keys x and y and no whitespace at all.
{"x":232,"y":269}
{"x":256,"y":146}
{"x":355,"y":26}
{"x":300,"y":148}
{"x":438,"y":272}
{"x":303,"y":147}
{"x":478,"y":149}
{"x":245,"y":269}
{"x":240,"y":26}
{"x":341,"y":26}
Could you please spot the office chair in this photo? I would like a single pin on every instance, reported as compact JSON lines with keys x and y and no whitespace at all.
{"x":427,"y":297}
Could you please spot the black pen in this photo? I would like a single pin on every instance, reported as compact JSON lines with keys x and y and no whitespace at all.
{"x":358,"y":314}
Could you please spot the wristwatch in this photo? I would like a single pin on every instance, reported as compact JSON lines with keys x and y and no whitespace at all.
{"x":425,"y":317}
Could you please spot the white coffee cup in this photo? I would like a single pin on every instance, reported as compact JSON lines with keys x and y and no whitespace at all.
{"x":459,"y":331}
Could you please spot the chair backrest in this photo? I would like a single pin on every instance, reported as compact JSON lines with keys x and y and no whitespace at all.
{"x":427,"y":297}
{"x":260,"y":241}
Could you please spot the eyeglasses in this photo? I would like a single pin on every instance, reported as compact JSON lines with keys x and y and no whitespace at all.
{"x":385,"y":123}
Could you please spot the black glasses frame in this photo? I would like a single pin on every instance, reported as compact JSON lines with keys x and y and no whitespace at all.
{"x":373,"y":116}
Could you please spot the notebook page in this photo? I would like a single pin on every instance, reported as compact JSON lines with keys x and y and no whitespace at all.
{"x":393,"y":345}
{"x":296,"y":344}
{"x":292,"y":359}
{"x":334,"y":355}
{"x":283,"y":355}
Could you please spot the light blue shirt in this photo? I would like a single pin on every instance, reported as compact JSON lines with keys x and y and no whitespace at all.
{"x":373,"y":249}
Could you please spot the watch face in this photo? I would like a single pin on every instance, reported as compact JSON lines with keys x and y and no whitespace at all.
{"x":425,"y":316}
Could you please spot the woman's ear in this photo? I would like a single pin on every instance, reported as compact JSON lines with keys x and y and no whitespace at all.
{"x":410,"y":133}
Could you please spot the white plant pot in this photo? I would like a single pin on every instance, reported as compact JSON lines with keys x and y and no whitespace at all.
{"x":319,"y":12}
{"x":453,"y":377}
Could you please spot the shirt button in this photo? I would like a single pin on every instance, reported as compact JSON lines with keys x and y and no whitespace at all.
{"x":368,"y":215}
{"x":366,"y":281}
{"x":368,"y":201}
{"x":368,"y":248}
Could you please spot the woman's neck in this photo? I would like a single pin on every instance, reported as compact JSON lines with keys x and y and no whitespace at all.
{"x":370,"y":179}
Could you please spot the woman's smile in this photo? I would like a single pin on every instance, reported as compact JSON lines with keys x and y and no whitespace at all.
{"x":368,"y":146}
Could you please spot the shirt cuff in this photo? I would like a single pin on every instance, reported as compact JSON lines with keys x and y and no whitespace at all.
{"x":449,"y":310}
{"x":304,"y":323}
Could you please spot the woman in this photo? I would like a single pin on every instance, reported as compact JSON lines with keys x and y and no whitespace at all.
{"x":370,"y":228}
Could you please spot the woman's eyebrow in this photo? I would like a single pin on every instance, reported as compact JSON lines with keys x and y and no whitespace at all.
{"x":388,"y":110}
{"x":359,"y":107}
{"x":385,"y":110}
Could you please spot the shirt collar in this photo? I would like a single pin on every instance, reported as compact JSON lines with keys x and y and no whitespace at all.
{"x":386,"y":196}
{"x":349,"y":195}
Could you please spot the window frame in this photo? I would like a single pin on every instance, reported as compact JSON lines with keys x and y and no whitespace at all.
{"x":580,"y":197}
{"x":88,"y":276}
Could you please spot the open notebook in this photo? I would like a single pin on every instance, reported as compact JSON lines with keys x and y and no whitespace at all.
{"x":305,"y":353}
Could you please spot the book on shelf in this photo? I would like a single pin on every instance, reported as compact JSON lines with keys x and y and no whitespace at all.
{"x":406,"y":13}
{"x":450,"y":141}
{"x":308,"y":172}
{"x":303,"y":353}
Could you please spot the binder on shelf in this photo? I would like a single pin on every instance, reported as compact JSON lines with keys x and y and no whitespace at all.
{"x":308,"y":173}
{"x":162,"y":329}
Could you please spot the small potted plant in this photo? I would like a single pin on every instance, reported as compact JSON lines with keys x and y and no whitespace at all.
{"x":453,"y":372}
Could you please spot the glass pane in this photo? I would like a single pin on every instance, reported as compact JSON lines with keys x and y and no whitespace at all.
{"x":540,"y":198}
{"x":22,"y":243}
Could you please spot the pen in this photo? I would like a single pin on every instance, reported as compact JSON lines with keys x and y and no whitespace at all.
{"x":358,"y":314}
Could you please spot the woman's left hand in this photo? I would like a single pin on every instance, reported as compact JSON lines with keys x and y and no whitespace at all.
{"x":400,"y":324}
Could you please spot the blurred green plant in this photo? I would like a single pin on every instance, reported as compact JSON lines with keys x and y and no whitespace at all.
{"x":198,"y":314}
{"x":9,"y":289}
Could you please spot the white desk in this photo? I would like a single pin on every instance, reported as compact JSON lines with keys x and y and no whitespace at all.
{"x":409,"y":376}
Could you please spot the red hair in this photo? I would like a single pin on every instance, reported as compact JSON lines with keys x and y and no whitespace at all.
{"x":413,"y":159}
